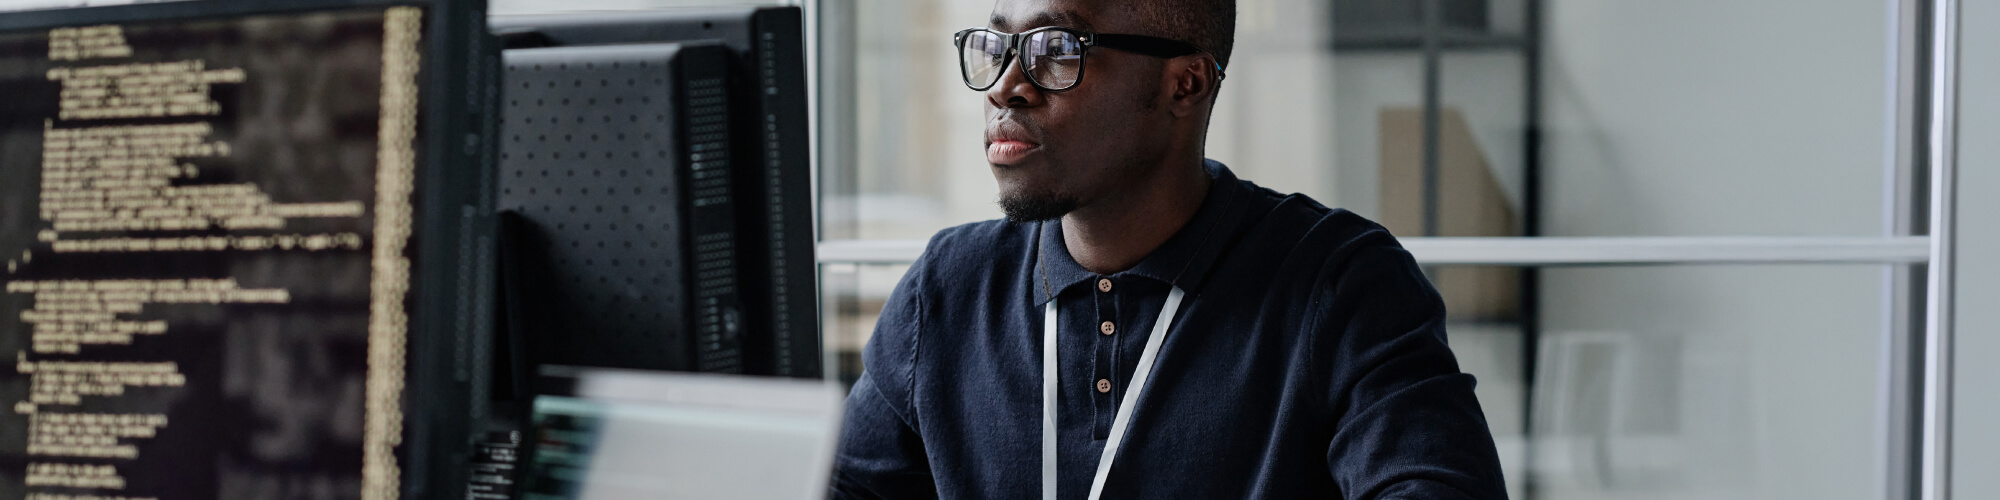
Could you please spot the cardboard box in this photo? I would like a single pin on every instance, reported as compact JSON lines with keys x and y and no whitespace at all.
{"x":1470,"y":203}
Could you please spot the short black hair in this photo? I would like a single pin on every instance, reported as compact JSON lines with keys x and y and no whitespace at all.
{"x":1209,"y":24}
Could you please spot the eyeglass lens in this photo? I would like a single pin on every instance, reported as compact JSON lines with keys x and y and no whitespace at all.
{"x":1053,"y":59}
{"x":983,"y":53}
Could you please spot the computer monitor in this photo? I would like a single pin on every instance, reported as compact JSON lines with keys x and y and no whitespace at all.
{"x":241,"y":249}
{"x":626,"y":435}
{"x":621,"y":243}
{"x":769,"y":144}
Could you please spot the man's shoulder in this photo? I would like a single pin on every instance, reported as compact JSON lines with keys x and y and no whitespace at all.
{"x":976,"y":250}
{"x":978,"y":243}
{"x":979,"y":240}
{"x":1305,"y":225}
{"x":1328,"y":263}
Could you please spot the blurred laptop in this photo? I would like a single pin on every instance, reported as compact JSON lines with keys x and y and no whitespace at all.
{"x":603,"y":434}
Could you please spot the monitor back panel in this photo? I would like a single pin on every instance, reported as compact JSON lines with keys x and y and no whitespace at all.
{"x":615,"y":166}
{"x":779,"y":275}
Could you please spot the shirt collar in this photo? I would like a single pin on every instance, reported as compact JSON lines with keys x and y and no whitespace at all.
{"x":1182,"y":261}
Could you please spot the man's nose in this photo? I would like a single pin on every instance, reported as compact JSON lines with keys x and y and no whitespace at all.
{"x":1013,"y":90}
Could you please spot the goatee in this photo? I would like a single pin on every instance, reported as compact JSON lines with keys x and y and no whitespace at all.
{"x":1037,"y":207}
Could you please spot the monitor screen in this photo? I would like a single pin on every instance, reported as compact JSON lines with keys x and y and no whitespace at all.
{"x":209,"y":224}
{"x":603,"y":434}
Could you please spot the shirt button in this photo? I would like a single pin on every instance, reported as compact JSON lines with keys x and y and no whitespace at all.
{"x":1104,"y":284}
{"x":1107,"y":328}
{"x":1103,"y":385}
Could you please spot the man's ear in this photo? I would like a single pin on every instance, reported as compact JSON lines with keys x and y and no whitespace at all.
{"x":1193,"y":80}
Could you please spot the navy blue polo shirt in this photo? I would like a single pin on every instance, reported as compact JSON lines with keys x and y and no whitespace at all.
{"x":1308,"y":359}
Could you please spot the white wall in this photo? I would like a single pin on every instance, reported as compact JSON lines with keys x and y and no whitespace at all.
{"x":1715,"y":117}
{"x":1977,"y":444}
{"x":1712,"y":117}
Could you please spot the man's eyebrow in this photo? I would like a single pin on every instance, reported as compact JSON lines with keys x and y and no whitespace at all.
{"x":1064,"y":18}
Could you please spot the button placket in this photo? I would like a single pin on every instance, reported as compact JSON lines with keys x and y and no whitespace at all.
{"x":1109,"y":350}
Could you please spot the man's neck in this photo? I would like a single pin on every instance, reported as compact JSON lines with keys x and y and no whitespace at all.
{"x":1115,"y":234}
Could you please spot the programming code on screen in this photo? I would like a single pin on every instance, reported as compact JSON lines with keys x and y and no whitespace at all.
{"x":204,"y":226}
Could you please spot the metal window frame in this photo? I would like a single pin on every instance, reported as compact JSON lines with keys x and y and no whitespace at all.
{"x":1942,"y":137}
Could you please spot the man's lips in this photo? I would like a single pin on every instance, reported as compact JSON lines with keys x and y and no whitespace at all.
{"x":1008,"y":151}
{"x":1009,"y":140}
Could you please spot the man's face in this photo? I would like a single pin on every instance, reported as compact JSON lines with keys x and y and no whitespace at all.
{"x":1055,"y":152}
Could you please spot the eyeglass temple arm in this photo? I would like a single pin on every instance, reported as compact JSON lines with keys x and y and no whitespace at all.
{"x":1150,"y":45}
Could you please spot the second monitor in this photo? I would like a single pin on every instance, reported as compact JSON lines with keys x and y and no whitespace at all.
{"x":742,"y":196}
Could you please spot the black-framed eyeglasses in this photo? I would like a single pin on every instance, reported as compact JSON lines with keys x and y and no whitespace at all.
{"x":1051,"y":57}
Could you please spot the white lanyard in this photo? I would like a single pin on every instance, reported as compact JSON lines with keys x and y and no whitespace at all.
{"x":1118,"y":424}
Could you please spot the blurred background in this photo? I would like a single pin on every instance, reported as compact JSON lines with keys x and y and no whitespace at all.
{"x":1719,"y":287}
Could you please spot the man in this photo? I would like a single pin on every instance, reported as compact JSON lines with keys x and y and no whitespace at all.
{"x":1211,"y":338}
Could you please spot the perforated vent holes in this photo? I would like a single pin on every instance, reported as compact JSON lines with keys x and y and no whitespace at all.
{"x":710,"y":167}
{"x":587,"y":159}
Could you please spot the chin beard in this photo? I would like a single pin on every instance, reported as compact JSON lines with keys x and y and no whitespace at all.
{"x":1037,"y":207}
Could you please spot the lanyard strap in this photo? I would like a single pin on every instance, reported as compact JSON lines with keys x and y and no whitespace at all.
{"x":1143,"y":374}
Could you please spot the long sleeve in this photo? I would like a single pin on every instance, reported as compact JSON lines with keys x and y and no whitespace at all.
{"x":1407,"y":424}
{"x":881,"y":454}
